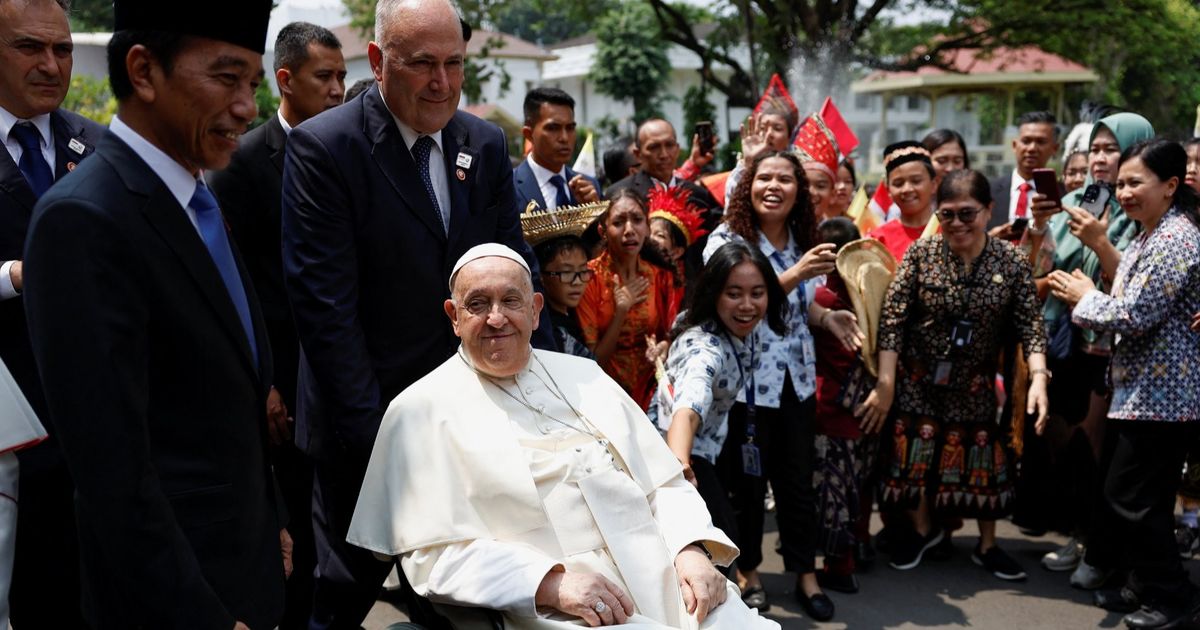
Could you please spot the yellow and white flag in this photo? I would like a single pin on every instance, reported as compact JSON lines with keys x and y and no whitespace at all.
{"x":586,"y":162}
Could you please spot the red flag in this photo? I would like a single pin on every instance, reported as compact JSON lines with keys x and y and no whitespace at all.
{"x":778,"y":92}
{"x":846,"y":139}
{"x":881,"y":201}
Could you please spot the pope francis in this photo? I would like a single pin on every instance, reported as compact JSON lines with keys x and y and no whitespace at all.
{"x":528,"y":482}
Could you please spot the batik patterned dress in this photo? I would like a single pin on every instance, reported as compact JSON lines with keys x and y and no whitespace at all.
{"x":933,"y":291}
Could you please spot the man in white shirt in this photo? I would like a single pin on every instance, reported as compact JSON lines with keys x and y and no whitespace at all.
{"x":539,"y":488}
{"x":544,"y":177}
{"x":43,"y":143}
{"x":1012,"y":193}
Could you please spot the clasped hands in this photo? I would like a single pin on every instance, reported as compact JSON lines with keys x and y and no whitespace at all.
{"x":577,"y":594}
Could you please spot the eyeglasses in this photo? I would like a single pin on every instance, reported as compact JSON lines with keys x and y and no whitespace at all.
{"x":965,"y":215}
{"x":571,"y":277}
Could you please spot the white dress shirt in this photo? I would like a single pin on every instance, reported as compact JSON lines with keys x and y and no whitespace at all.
{"x":7,"y":122}
{"x":437,"y":167}
{"x":178,"y":180}
{"x":1014,"y":194}
{"x":283,"y":122}
{"x":543,"y":175}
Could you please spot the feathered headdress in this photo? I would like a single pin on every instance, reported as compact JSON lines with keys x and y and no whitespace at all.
{"x":672,"y":204}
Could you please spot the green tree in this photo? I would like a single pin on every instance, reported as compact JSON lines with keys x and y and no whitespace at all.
{"x":546,"y":22}
{"x":91,"y":16}
{"x":267,"y":104}
{"x":91,"y":98}
{"x":631,"y":60}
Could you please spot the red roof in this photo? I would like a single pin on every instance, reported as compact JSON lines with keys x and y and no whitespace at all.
{"x":1029,"y":59}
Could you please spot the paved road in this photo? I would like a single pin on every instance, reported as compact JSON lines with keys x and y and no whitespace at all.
{"x":950,"y":594}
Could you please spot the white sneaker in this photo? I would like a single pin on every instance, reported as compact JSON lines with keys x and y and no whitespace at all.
{"x":1064,"y":558}
{"x":1088,"y":577}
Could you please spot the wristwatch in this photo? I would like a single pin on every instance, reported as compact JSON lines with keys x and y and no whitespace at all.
{"x":1049,"y":375}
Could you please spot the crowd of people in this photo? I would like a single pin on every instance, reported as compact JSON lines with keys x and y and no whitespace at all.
{"x":273,"y":367}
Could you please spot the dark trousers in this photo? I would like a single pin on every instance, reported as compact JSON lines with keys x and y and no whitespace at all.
{"x":712,"y":490}
{"x":45,"y":582}
{"x":348,"y":579}
{"x":785,"y":440}
{"x":294,"y":473}
{"x":1135,"y":526}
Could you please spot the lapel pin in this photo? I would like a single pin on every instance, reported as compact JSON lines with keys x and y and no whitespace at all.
{"x":998,"y":279}
{"x":76,"y":146}
{"x":463,"y":161}
{"x":70,"y":166}
{"x":461,"y":175}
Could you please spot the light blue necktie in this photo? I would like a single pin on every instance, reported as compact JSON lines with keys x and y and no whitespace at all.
{"x":212,"y":231}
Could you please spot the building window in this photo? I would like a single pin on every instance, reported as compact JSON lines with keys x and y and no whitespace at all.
{"x":914,"y":103}
{"x":862,"y":102}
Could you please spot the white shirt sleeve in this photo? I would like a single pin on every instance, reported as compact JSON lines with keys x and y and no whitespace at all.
{"x":7,"y":290}
{"x":482,"y":574}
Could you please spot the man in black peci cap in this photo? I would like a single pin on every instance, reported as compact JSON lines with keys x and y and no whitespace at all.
{"x":149,"y":338}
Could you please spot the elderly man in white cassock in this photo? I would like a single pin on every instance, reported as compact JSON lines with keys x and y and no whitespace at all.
{"x":528,"y":482}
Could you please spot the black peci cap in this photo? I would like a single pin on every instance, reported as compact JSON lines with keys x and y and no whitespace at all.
{"x":239,"y":22}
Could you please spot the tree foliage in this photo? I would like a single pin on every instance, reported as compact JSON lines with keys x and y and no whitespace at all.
{"x":631,"y":60}
{"x":91,"y":98}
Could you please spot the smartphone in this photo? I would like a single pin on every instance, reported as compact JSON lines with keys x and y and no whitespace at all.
{"x":1045,"y":182}
{"x":1095,"y":199}
{"x":1018,"y":226}
{"x":704,"y":131}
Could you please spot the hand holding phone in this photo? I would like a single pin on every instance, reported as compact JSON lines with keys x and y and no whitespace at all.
{"x":1045,"y":182}
{"x":1095,"y":199}
{"x":704,"y":131}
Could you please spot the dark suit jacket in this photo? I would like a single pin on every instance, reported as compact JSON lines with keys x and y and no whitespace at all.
{"x":159,"y":405}
{"x":526,"y":185}
{"x":367,"y":261}
{"x":16,"y":208}
{"x":1000,"y":199}
{"x":249,"y":193}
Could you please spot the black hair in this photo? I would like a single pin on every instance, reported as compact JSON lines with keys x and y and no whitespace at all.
{"x":291,"y":45}
{"x":967,"y":182}
{"x":547,"y":251}
{"x":649,"y":252}
{"x":1167,"y":159}
{"x":938,"y":137}
{"x":849,"y":165}
{"x":1191,"y":142}
{"x":678,"y":239}
{"x":618,"y":160}
{"x":801,"y":220}
{"x":163,"y":45}
{"x":710,"y":284}
{"x":360,"y":86}
{"x":536,"y":97}
{"x":839,"y":231}
{"x":1038,"y":117}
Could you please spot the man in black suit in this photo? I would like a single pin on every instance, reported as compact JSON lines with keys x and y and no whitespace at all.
{"x":149,"y":340}
{"x":380,"y":198}
{"x":544,"y":176}
{"x":310,"y":73}
{"x":43,"y":144}
{"x":1012,"y":193}
{"x":658,"y":151}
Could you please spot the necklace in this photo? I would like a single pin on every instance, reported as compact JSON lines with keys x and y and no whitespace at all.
{"x":588,"y":428}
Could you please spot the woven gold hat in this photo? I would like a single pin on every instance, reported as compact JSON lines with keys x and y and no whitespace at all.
{"x":867,"y":267}
{"x":542,"y":225}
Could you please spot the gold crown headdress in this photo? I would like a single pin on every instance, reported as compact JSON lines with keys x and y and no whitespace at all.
{"x":540,"y":225}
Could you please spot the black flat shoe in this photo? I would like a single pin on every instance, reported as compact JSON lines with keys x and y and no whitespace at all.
{"x":1119,"y":600}
{"x":840,"y":583}
{"x":818,"y":607}
{"x":756,"y":597}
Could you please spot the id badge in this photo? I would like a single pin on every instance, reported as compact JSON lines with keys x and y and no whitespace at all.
{"x":751,"y":461}
{"x":961,"y":334}
{"x":941,"y":373}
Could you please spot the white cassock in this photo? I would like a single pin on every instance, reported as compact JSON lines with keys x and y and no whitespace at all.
{"x":480,"y":495}
{"x":19,"y":428}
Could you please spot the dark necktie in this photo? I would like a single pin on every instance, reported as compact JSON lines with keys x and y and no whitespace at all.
{"x":563,"y":198}
{"x":420,"y":152}
{"x":33,"y":165}
{"x":212,"y":231}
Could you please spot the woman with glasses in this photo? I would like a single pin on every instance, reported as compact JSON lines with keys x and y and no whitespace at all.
{"x":631,"y":296}
{"x":957,"y":297}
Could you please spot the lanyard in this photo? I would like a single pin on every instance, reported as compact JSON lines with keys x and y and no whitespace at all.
{"x":970,"y":279}
{"x":747,"y":383}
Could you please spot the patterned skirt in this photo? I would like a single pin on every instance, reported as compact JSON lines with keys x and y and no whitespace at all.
{"x":964,"y":468}
{"x":840,"y":474}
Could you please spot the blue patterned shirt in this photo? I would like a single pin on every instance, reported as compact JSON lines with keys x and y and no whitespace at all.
{"x":1155,"y":369}
{"x":791,"y":355}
